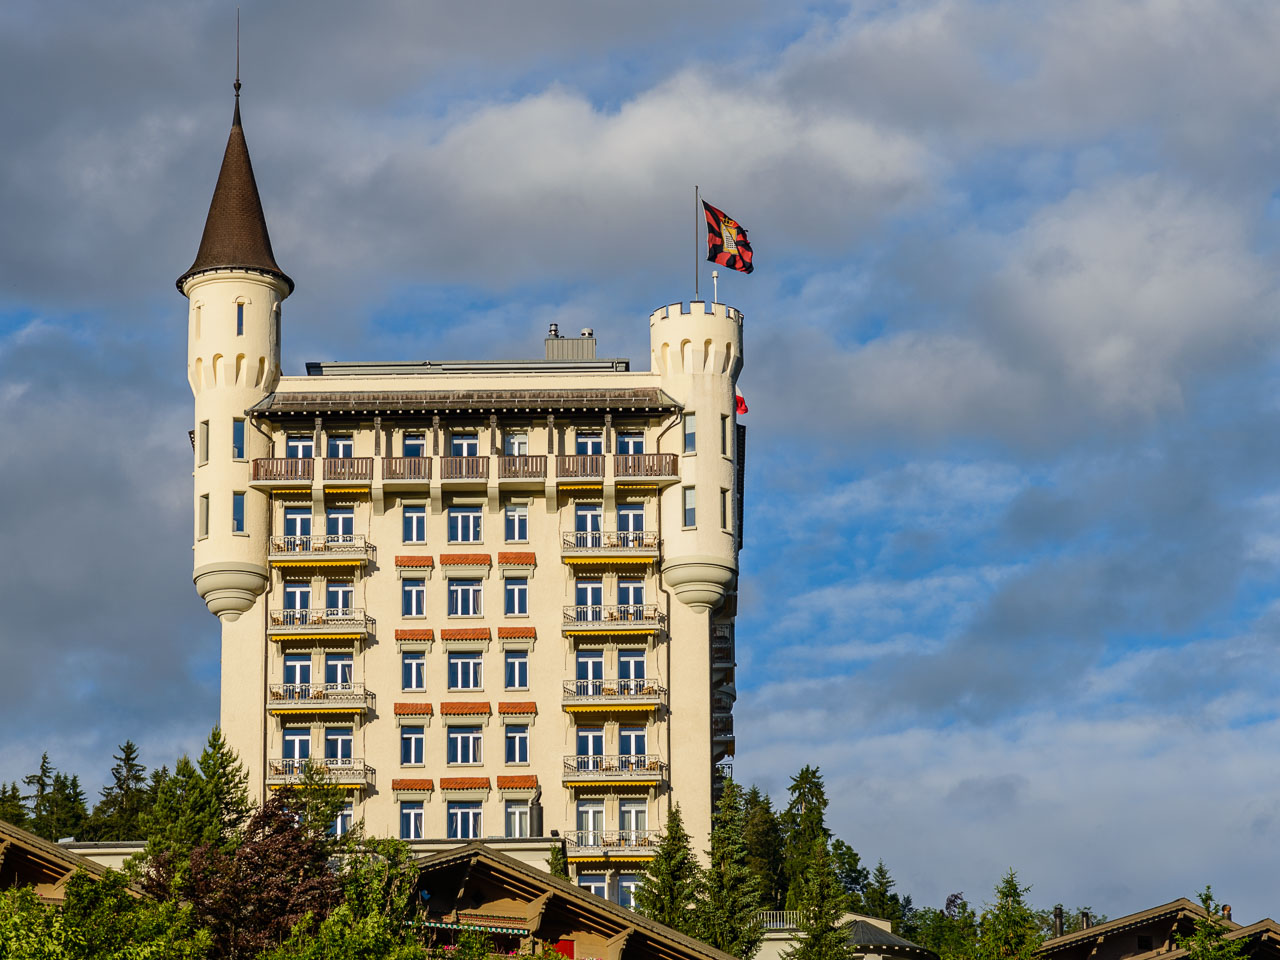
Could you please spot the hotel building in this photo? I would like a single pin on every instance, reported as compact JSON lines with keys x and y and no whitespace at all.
{"x":493,"y":599}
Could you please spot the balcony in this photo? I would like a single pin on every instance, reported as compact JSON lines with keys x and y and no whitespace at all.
{"x":721,"y":726}
{"x":590,"y":696}
{"x":721,"y":703}
{"x":780,"y":919}
{"x":332,"y":623}
{"x":580,"y":467}
{"x":613,"y":844}
{"x":722,"y":652}
{"x":340,"y":773}
{"x":271,"y":472}
{"x":513,"y":469}
{"x":647,"y":466}
{"x":338,"y":550}
{"x":405,"y":473}
{"x":472,"y":469}
{"x":348,"y":698}
{"x":640,"y":768}
{"x":612,"y":618}
{"x":357,"y":470}
{"x":609,"y":546}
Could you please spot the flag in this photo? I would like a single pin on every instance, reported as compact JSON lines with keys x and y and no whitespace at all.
{"x":726,"y":240}
{"x":741,"y":403}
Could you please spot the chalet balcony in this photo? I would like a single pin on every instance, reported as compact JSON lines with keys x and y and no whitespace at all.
{"x":603,"y":546}
{"x":626,"y":768}
{"x":335,"y":550}
{"x":580,"y":467}
{"x":647,"y":466}
{"x":475,"y":469}
{"x":336,"y":623}
{"x":612,"y":618}
{"x":345,"y":698}
{"x":587,"y":696}
{"x":358,"y":470}
{"x":346,"y":772}
{"x":269,"y":472}
{"x":606,"y":844}
{"x":517,"y":468}
{"x":406,"y":472}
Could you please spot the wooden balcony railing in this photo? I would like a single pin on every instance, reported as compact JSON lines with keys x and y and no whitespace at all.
{"x":607,"y":541}
{"x":646,"y":465}
{"x":342,"y":618}
{"x":283,"y":468}
{"x":619,"y":840}
{"x":355,"y":469}
{"x":522,"y":468}
{"x":613,"y":691}
{"x":640,"y":614}
{"x":625,"y":766}
{"x":337,"y":545}
{"x":581,"y":467}
{"x":406,"y":468}
{"x":319,"y":695}
{"x":342,"y":771}
{"x":464,"y":468}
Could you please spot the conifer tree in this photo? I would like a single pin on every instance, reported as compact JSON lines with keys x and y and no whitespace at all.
{"x":951,"y":933}
{"x":557,"y":862}
{"x":803,"y":823}
{"x":853,"y":875}
{"x":667,"y":892}
{"x":1207,"y":940}
{"x":118,"y":813}
{"x":40,"y":784}
{"x":1008,"y":927}
{"x":879,"y":900}
{"x":763,"y":836}
{"x":12,"y":809}
{"x":823,"y":902}
{"x":67,"y":813}
{"x":228,"y":783}
{"x":728,"y":906}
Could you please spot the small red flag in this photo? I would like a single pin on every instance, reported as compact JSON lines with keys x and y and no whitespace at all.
{"x":727,"y":240}
{"x":741,"y":402}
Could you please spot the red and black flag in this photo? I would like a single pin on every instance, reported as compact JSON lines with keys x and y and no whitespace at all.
{"x":727,"y":240}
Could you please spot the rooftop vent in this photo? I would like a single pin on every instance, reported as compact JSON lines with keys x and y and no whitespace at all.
{"x":570,"y":348}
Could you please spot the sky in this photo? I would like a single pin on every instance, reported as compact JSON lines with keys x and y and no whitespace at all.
{"x":1013,"y":504}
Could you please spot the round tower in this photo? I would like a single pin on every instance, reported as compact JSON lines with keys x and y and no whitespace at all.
{"x":235,"y":289}
{"x":697,"y":350}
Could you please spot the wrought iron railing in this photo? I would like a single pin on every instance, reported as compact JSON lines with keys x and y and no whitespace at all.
{"x":335,"y":543}
{"x":643,"y":614}
{"x":522,"y":468}
{"x":343,"y":617}
{"x":355,"y":469}
{"x":722,"y":652}
{"x":464,"y":468}
{"x":722,"y":726}
{"x":406,"y":468}
{"x":283,"y":468}
{"x":629,"y":840}
{"x":613,"y":690}
{"x":326,"y":695}
{"x":646,"y":465}
{"x":607,"y":540}
{"x":580,"y":466}
{"x":624,"y":766}
{"x":338,"y":770}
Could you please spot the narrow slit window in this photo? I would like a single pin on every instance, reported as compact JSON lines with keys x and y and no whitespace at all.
{"x":202,"y":516}
{"x":690,"y":432}
{"x":690,"y":507}
{"x":237,"y":439}
{"x":237,"y":513}
{"x":239,"y":319}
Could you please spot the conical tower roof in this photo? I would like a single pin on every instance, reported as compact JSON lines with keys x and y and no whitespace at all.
{"x":235,"y":233}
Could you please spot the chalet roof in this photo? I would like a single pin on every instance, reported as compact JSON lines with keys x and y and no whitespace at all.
{"x":235,"y":232}
{"x":1174,"y":908}
{"x":864,"y":934}
{"x":28,"y":859}
{"x":582,"y":399}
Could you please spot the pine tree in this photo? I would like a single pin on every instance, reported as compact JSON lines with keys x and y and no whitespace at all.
{"x":557,"y":862}
{"x":879,"y":900}
{"x":853,"y":875}
{"x":763,"y":836}
{"x":12,"y":810}
{"x":67,"y":813}
{"x":667,"y":892}
{"x":1008,"y":927}
{"x":1208,"y":938}
{"x":228,"y":783}
{"x":118,"y":813}
{"x":803,"y":823}
{"x":37,"y":801}
{"x":951,"y":933}
{"x":822,"y":906}
{"x":728,"y":905}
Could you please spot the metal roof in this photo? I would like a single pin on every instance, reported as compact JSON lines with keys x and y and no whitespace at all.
{"x":580,"y":400}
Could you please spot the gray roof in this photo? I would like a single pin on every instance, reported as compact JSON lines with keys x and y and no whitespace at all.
{"x":581,"y":400}
{"x":864,"y":934}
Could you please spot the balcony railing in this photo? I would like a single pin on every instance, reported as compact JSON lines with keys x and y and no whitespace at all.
{"x":780,"y":919}
{"x":722,"y":652}
{"x":646,"y":465}
{"x":522,"y":468}
{"x":406,"y":468}
{"x":267,"y":469}
{"x":334,"y":545}
{"x":626,"y":615}
{"x":339,"y":618}
{"x":628,"y":766}
{"x":352,"y":469}
{"x":605,"y":692}
{"x":722,"y":726}
{"x":320,"y":696}
{"x":721,"y":704}
{"x":610,"y":541}
{"x":580,"y":467}
{"x":464,"y":468}
{"x":614,"y":841}
{"x":341,"y":772}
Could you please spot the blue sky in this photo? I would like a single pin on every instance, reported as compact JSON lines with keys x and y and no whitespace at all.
{"x":1013,"y":501}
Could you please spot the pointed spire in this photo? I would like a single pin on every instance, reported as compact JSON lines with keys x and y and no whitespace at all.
{"x":235,"y":233}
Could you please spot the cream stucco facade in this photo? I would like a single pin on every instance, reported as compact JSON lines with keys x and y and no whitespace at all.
{"x":493,"y":599}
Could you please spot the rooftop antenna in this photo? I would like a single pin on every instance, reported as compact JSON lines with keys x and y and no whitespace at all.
{"x":715,"y":286}
{"x":237,"y":83}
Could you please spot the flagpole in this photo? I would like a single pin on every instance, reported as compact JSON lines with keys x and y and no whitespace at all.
{"x":697,"y":249}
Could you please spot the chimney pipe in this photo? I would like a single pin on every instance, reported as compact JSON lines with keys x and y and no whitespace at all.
{"x":1057,"y":920}
{"x":554,"y":331}
{"x":1226,"y":911}
{"x":1086,"y":921}
{"x":588,"y":332}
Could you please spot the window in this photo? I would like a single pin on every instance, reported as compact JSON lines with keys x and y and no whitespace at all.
{"x":299,"y":448}
{"x":415,"y":524}
{"x":630,"y":443}
{"x":412,"y":746}
{"x":341,"y":523}
{"x":464,"y":524}
{"x":411,"y":820}
{"x":202,"y":442}
{"x":464,"y":445}
{"x":297,"y":528}
{"x":237,"y":439}
{"x":202,"y":517}
{"x":631,"y":671}
{"x":466,"y":671}
{"x":631,"y":525}
{"x":413,"y":598}
{"x":464,"y":745}
{"x":297,"y":596}
{"x":627,"y":883}
{"x":517,"y":744}
{"x":415,"y":445}
{"x":517,"y":596}
{"x":589,"y":443}
{"x":517,"y":525}
{"x":341,"y":448}
{"x":724,"y":509}
{"x":724,"y":435}
{"x":338,"y":742}
{"x":297,"y":743}
{"x":517,"y":670}
{"x":341,"y":825}
{"x":413,"y":671}
{"x":590,"y":823}
{"x":590,"y":675}
{"x":592,"y":883}
{"x":690,"y":508}
{"x":690,"y":432}
{"x":464,"y":598}
{"x":340,"y":596}
{"x":630,"y":599}
{"x":297,"y":673}
{"x":464,"y":821}
{"x":587,"y":525}
{"x":589,"y":596}
{"x":517,"y":818}
{"x":239,"y":319}
{"x":633,"y":821}
{"x":337,"y":671}
{"x":590,"y":747}
{"x":516,"y":445}
{"x":631,"y":742}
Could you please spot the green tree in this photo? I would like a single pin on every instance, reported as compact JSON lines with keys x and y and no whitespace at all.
{"x":951,"y":933}
{"x":822,"y":906}
{"x":803,"y":823}
{"x":12,"y":809}
{"x":1008,"y":929}
{"x":1208,"y":939}
{"x":64,"y":811}
{"x":763,"y":836}
{"x":557,"y":862}
{"x":228,"y":783}
{"x":40,"y":784}
{"x":880,"y":900}
{"x":849,"y":869}
{"x":118,"y":813}
{"x":670,"y":886}
{"x":728,"y":903}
